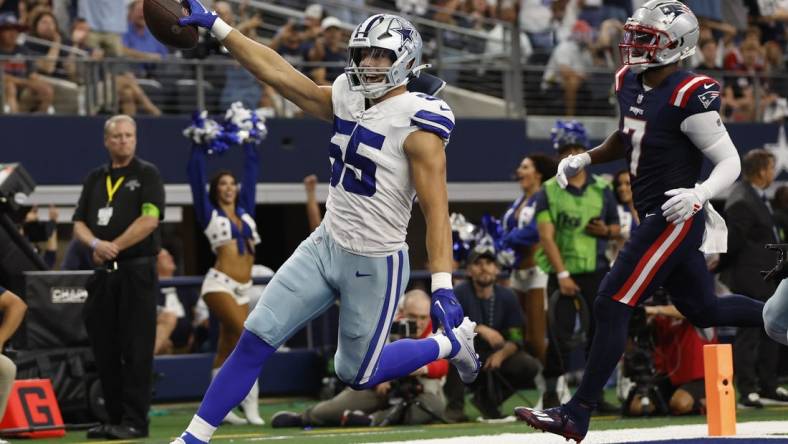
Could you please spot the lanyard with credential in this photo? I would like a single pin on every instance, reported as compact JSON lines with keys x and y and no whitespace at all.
{"x":113,"y":188}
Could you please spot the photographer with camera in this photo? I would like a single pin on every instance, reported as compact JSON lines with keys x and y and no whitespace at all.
{"x":496,"y":312}
{"x":664,"y":361}
{"x":416,"y":399}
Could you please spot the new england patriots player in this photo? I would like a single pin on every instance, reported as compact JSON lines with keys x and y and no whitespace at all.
{"x":387,"y":147}
{"x":669,"y":122}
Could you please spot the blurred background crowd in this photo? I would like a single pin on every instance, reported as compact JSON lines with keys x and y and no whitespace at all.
{"x":88,"y":57}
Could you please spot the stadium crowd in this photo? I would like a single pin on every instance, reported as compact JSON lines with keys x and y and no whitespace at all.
{"x":569,"y":46}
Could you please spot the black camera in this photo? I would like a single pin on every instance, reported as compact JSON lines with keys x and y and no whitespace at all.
{"x":404,"y":328}
{"x":780,"y":271}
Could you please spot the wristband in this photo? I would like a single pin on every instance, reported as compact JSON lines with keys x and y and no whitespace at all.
{"x":441,"y":280}
{"x":562,"y":275}
{"x":220,"y":29}
{"x":93,"y":243}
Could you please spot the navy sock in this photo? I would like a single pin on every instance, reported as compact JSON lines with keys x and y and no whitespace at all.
{"x":610,"y":338}
{"x":232,"y":383}
{"x":401,"y":358}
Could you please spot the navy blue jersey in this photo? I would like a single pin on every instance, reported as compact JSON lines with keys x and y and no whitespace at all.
{"x":660,"y":156}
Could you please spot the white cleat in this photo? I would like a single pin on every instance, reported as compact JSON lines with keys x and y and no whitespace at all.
{"x":251,"y":406}
{"x":233,"y":419}
{"x":466,"y":360}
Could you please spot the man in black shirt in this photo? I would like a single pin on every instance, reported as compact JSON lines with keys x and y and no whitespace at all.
{"x":117,"y":217}
{"x":499,"y":323}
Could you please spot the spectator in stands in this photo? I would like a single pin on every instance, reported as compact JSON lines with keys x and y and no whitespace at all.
{"x":44,"y":27}
{"x":708,"y":50}
{"x":169,"y":309}
{"x":138,"y":42}
{"x":568,"y":66}
{"x":80,"y":30}
{"x":23,"y":89}
{"x":528,"y":281}
{"x":289,"y":42}
{"x":312,"y":207}
{"x":107,"y":20}
{"x":373,"y":406}
{"x":499,"y":323}
{"x":313,"y":23}
{"x":748,"y":215}
{"x":739,"y":103}
{"x":678,"y":360}
{"x":13,"y":310}
{"x":329,"y":47}
{"x":507,"y":12}
{"x":627,"y":215}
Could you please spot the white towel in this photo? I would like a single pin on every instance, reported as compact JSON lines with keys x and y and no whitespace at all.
{"x":715,"y":237}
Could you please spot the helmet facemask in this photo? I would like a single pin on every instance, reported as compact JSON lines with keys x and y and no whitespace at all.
{"x":640,"y":46}
{"x":372,"y":81}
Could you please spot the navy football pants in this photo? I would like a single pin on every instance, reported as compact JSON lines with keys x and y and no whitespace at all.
{"x":658,"y":254}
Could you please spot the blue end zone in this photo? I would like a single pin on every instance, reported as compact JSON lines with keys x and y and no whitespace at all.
{"x":186,"y":377}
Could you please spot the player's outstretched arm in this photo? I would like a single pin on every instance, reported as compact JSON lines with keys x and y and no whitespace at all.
{"x":265,"y":64}
{"x":428,"y":169}
{"x":611,"y":149}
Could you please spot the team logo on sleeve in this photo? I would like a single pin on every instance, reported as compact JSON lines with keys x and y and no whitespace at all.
{"x":707,"y":98}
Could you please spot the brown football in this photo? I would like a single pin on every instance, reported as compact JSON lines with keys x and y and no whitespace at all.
{"x":162,"y":16}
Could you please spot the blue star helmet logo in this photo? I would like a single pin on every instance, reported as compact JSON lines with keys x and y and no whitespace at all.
{"x":406,"y":33}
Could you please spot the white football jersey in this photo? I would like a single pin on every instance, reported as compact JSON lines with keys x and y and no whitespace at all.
{"x":371,"y":194}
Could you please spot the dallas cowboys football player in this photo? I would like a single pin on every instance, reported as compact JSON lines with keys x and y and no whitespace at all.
{"x":387,"y":147}
{"x":669,"y":122}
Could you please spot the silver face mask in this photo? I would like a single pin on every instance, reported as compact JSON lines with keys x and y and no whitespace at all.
{"x":384,"y":52}
{"x":659,"y":33}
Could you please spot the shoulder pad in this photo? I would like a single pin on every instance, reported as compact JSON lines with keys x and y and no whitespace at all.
{"x":696,"y":88}
{"x":432,"y":114}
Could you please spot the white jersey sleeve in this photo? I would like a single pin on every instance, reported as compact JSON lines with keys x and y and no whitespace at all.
{"x":371,"y":194}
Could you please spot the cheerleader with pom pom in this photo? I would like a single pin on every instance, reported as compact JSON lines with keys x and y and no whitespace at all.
{"x":226,"y":214}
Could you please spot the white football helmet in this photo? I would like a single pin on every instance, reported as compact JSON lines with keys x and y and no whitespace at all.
{"x":659,"y":33}
{"x":383,"y":35}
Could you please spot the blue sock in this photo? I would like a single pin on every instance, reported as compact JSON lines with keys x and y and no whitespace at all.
{"x":610,"y":338}
{"x":232,"y":383}
{"x":401,"y":358}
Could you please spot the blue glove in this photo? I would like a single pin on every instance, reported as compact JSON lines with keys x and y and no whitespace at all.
{"x":199,"y":15}
{"x":445,"y":311}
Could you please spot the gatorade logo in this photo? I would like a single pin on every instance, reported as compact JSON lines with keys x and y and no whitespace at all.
{"x":34,"y":404}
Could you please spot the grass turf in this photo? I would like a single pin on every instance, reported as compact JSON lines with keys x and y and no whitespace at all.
{"x":168,"y":421}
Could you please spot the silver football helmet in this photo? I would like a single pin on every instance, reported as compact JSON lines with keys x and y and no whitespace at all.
{"x":383,"y":35}
{"x":659,"y":33}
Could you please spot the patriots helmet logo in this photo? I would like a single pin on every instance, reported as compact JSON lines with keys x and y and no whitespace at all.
{"x":707,"y":98}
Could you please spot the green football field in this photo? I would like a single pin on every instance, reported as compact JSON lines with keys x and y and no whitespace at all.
{"x":168,"y":421}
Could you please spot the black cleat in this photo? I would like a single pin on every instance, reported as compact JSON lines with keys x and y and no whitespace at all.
{"x":556,"y":420}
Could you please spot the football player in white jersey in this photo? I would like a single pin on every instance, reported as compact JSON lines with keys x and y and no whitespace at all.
{"x":387,"y":148}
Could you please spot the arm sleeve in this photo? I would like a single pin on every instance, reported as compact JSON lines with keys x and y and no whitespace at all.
{"x":523,"y":237}
{"x":707,"y":132}
{"x":246,"y":198}
{"x":438,"y":369}
{"x":196,"y":172}
{"x":153,"y":190}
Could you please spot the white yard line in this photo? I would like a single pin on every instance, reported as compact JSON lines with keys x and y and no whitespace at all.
{"x":758,"y":429}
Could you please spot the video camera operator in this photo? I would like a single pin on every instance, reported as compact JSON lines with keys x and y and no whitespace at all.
{"x":416,"y":399}
{"x":664,"y":361}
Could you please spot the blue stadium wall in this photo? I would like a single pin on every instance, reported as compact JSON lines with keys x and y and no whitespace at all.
{"x":62,"y":150}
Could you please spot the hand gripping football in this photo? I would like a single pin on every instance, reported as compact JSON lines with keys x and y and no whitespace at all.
{"x":162,"y":16}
